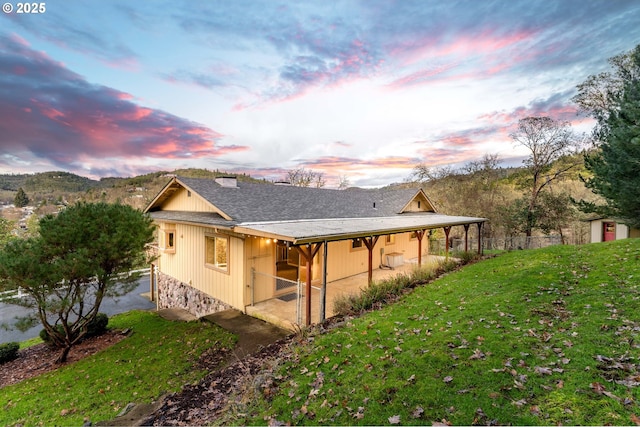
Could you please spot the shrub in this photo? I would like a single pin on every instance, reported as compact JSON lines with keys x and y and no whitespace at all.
{"x":96,"y":327}
{"x":8,"y":351}
{"x":46,"y":338}
{"x":388,"y":290}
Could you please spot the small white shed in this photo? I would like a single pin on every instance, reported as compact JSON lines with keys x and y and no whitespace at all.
{"x":607,"y":229}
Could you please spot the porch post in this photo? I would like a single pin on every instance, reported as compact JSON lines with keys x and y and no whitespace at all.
{"x":308,"y":253}
{"x":323,"y":291}
{"x":419,"y":236}
{"x":447,"y":229}
{"x":370,"y":243}
{"x":479,"y":224}
{"x":466,"y":237}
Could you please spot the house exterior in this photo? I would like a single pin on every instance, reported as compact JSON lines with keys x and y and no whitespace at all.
{"x":228,"y":244}
{"x":607,"y":229}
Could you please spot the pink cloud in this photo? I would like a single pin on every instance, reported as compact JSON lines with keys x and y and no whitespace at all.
{"x":52,"y":113}
{"x":485,"y":50}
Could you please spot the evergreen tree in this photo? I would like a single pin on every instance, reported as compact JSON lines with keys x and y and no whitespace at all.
{"x":21,"y":200}
{"x":77,"y":259}
{"x":616,"y":165}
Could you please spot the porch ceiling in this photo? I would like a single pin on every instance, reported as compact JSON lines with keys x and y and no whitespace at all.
{"x":320,"y":230}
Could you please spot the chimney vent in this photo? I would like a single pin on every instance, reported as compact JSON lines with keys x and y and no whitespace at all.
{"x":227,"y":181}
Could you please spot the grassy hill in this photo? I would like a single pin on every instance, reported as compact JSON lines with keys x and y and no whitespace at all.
{"x":539,"y":337}
{"x":545,"y":337}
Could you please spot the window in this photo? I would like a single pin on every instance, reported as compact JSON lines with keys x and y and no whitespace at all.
{"x":217,"y":252}
{"x":169,"y":238}
{"x":390,"y":239}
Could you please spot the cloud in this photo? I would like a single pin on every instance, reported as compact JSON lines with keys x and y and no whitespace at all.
{"x":341,"y":164}
{"x":50,"y":112}
{"x":557,"y":106}
{"x":61,"y":29}
{"x":315,"y":45}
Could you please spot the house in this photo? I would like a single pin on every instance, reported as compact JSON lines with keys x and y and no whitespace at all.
{"x":229,"y":244}
{"x":607,"y":229}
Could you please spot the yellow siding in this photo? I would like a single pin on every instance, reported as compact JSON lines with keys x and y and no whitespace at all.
{"x":182,"y":201}
{"x":344,"y":261}
{"x":187,"y":264}
{"x":260,"y":256}
{"x":419,"y":204}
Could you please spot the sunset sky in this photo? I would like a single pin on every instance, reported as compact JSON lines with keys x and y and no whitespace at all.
{"x":360,"y":89}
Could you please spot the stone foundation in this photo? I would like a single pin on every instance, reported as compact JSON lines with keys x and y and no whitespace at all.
{"x":173,"y":293}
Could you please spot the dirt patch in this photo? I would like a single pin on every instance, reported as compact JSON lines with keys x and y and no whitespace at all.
{"x":39,"y":359}
{"x":211,"y":399}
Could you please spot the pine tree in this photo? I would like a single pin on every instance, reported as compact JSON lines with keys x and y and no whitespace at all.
{"x":21,"y":200}
{"x":616,"y":165}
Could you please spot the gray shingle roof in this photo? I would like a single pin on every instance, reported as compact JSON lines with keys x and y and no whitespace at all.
{"x":255,"y":202}
{"x":302,"y":215}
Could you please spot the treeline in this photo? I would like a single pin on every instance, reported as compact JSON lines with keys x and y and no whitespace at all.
{"x":501,"y":194}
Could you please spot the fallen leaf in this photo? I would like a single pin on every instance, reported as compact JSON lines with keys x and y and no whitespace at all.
{"x":477,"y":354}
{"x":597,"y":387}
{"x":448,"y":379}
{"x":417,"y":413}
{"x":635,"y":419}
{"x":520,"y":403}
{"x":611,"y":395}
{"x":542,"y":370}
{"x":394,"y":420}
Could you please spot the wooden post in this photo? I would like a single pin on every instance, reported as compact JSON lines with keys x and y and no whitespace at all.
{"x":479,"y":224}
{"x":447,"y":229}
{"x":323,"y":292}
{"x":466,"y":237}
{"x":370,"y":243}
{"x":308,"y":253}
{"x":152,"y":282}
{"x":419,"y":236}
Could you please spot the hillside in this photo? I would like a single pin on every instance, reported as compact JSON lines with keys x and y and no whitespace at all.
{"x":543,"y":337}
{"x":63,"y":187}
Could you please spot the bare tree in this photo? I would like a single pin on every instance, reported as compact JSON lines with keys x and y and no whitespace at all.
{"x":302,"y":177}
{"x":344,"y":182}
{"x":549,"y":142}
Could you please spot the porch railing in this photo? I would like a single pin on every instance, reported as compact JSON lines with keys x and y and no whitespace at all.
{"x":261,"y":280}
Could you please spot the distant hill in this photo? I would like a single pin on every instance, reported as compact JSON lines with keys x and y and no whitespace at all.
{"x":63,"y":187}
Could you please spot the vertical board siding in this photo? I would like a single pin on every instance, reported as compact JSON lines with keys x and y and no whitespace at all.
{"x":260,"y":255}
{"x":187,"y":264}
{"x":344,"y":261}
{"x":181,"y":201}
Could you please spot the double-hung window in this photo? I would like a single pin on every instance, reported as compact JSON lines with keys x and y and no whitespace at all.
{"x":169,"y":238}
{"x":217,"y":252}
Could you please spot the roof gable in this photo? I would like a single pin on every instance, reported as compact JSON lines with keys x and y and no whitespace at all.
{"x":178,"y":196}
{"x":420,"y":202}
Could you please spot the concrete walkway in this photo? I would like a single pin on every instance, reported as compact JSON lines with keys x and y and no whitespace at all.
{"x":253,"y":334}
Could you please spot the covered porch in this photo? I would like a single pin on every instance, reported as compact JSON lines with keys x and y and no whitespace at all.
{"x":311,"y":238}
{"x":285,"y":313}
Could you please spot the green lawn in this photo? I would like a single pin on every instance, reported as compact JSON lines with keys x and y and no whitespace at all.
{"x":546,"y":336}
{"x":158,"y":357}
